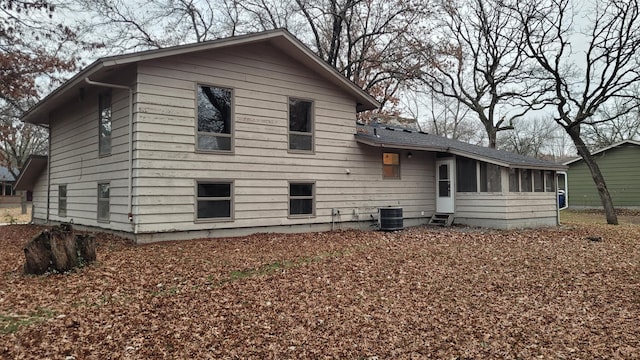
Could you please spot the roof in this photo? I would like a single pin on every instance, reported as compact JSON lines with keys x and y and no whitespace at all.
{"x":620,"y":143}
{"x":31,"y":172}
{"x":5,"y":174}
{"x":279,"y":38}
{"x":385,"y":137}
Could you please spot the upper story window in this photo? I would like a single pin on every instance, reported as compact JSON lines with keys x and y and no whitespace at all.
{"x":300,"y":125}
{"x":391,"y":165}
{"x":215,"y":127}
{"x":104,"y":114}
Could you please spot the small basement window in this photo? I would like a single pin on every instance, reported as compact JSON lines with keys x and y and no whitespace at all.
{"x":301,"y":199}
{"x":103,"y":201}
{"x":62,"y":200}
{"x":214,"y":200}
{"x":391,"y":165}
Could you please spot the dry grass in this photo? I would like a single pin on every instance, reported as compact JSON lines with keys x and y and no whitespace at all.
{"x":418,"y":293}
{"x":598,"y":217}
{"x":13,"y":215}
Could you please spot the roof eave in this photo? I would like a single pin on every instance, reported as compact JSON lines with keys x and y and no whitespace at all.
{"x":297,"y":49}
{"x":390,"y":145}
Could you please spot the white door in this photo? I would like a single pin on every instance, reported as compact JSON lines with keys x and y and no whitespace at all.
{"x":445,"y":186}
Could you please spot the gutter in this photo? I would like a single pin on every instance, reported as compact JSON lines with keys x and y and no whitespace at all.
{"x":130,"y":157}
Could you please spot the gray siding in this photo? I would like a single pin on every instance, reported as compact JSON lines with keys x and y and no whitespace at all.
{"x":506,"y":210}
{"x":348,"y":176}
{"x":75,"y":161}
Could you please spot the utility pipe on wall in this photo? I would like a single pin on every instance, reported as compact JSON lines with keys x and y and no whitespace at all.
{"x":130,"y":169}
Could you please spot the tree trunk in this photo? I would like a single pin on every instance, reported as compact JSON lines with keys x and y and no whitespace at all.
{"x":37,"y":253}
{"x":63,"y":248}
{"x":23,"y":202}
{"x":86,"y":247}
{"x":596,"y":174}
{"x":57,"y":249}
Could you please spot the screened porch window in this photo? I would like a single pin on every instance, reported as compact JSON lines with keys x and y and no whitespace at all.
{"x":490,"y":178}
{"x":514,"y":180}
{"x":466,"y":175}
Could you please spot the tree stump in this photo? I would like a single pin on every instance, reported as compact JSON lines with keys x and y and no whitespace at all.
{"x":38,"y":254}
{"x":86,"y":245}
{"x":63,"y":249}
{"x":57,"y":249}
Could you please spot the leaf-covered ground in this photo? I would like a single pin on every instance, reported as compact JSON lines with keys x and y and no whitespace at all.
{"x":418,"y":293}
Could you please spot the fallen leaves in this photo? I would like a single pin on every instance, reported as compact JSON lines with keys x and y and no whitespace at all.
{"x":454,"y":293}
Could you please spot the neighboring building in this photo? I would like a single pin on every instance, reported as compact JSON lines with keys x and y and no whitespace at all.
{"x":8,"y":195}
{"x":255,"y":134}
{"x":620,"y":167}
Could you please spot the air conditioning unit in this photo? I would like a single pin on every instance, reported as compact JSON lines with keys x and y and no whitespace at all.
{"x":391,"y":218}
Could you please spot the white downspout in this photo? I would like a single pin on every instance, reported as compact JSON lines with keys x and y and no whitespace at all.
{"x":130,"y":169}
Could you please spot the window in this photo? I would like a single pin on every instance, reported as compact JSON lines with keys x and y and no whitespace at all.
{"x":7,"y":190}
{"x":214,"y":118}
{"x":466,"y":175}
{"x":104,"y":113}
{"x":549,"y":183}
{"x":490,"y":178}
{"x":525,"y":180}
{"x":301,"y":199}
{"x":62,"y":200}
{"x":391,"y":165}
{"x":514,"y":180}
{"x":103,"y":202}
{"x":538,"y":181}
{"x":300,"y":125}
{"x":214,"y":200}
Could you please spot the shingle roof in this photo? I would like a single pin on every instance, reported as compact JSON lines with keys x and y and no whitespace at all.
{"x":405,"y":139}
{"x":621,"y":143}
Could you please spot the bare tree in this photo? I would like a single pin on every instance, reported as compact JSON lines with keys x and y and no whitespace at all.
{"x":624,"y":127}
{"x":443,"y":116}
{"x":370,"y":42}
{"x":478,"y":59}
{"x":609,"y":71}
{"x":532,"y":137}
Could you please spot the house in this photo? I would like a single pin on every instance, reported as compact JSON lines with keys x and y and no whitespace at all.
{"x":620,"y":167}
{"x":249,"y":134}
{"x":8,"y":194}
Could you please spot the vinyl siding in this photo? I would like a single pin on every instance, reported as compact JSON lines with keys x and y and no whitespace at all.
{"x":347,"y":176}
{"x":75,"y":161}
{"x":506,"y":209}
{"x":39,"y":200}
{"x":620,"y":167}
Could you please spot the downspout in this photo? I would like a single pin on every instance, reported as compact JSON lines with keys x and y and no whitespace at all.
{"x":48,"y":176}
{"x":130,"y":157}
